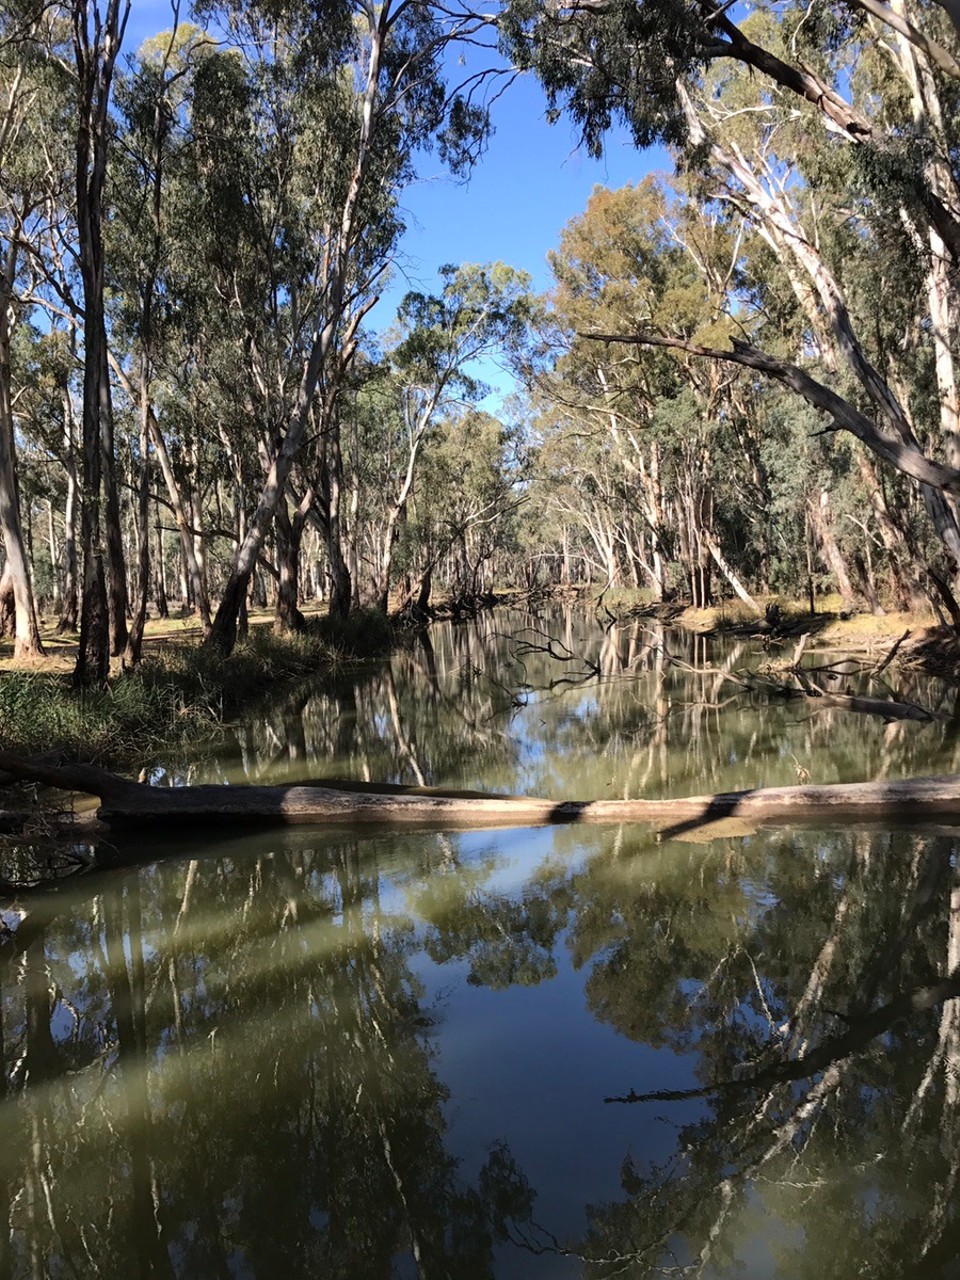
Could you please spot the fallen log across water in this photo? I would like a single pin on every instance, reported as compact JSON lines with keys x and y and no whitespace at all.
{"x":126,"y":803}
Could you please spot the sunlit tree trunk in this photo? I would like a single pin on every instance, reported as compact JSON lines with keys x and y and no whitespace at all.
{"x":7,"y":604}
{"x":117,"y":597}
{"x":906,"y":593}
{"x":160,"y":574}
{"x":353,"y":547}
{"x":69,"y":610}
{"x":398,"y":505}
{"x":943,"y":294}
{"x":134,"y":643}
{"x":26,"y":634}
{"x":820,"y":522}
{"x":193,"y":575}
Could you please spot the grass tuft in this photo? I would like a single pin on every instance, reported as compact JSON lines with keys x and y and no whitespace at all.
{"x":179,"y":694}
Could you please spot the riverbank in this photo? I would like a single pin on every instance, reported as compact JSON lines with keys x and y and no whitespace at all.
{"x":180,"y":691}
{"x":928,"y":644}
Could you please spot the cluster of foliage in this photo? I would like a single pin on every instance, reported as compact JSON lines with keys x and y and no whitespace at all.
{"x":191,"y":407}
{"x":194,"y":238}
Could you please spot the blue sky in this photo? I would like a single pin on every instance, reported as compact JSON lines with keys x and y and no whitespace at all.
{"x":531,"y":182}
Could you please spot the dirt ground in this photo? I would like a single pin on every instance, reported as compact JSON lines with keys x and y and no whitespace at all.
{"x":61,"y":650}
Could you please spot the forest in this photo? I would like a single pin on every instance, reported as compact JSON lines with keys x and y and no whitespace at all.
{"x":743,"y":380}
{"x":415,"y":938}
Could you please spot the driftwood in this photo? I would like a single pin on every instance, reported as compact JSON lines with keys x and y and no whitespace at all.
{"x":879,"y":670}
{"x":886,"y":708}
{"x":791,"y":680}
{"x":125,"y":803}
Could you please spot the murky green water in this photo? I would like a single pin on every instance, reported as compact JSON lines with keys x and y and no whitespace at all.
{"x":312,"y":1054}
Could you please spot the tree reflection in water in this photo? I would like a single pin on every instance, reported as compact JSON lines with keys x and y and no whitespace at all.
{"x":234,"y":1065}
{"x":822,"y":1018}
{"x":638,"y":710}
{"x":225,"y":1068}
{"x":237,"y":1060}
{"x":813,"y":980}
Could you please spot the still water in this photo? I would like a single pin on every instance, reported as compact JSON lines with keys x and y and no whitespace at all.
{"x":538,"y":1053}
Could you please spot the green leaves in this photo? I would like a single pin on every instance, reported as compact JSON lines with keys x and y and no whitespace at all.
{"x":613,"y":61}
{"x":482,"y":311}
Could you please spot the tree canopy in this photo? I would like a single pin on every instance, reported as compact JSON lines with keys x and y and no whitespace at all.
{"x":742,"y":381}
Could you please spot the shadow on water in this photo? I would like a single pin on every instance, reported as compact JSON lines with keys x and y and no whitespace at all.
{"x":312,"y":1053}
{"x":263,"y":1051}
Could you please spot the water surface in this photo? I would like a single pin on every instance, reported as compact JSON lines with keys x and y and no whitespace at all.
{"x":556,"y":1052}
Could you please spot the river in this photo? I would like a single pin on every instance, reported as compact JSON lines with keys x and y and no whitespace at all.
{"x":556,"y":1052}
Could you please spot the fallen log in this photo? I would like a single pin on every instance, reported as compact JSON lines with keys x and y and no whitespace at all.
{"x":126,"y":803}
{"x":47,"y":757}
{"x":887,"y":709}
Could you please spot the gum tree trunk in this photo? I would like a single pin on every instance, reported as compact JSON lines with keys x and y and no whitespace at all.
{"x":69,"y":615}
{"x":289,"y":538}
{"x":96,"y":40}
{"x":26,"y":634}
{"x":116,"y":578}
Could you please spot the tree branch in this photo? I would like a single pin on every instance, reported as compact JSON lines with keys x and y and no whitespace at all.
{"x":907,"y":459}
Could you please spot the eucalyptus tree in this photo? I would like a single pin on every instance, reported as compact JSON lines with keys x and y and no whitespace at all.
{"x":72,"y":51}
{"x":472,"y":491}
{"x":611,"y":269}
{"x":481,"y":313}
{"x":759,"y":179}
{"x":183,"y":110}
{"x":381,"y":72}
{"x":44,"y":370}
{"x":460,"y":519}
{"x":633,"y":59}
{"x":97,"y":36}
{"x":22,"y":90}
{"x":675,"y":74}
{"x":653,"y":454}
{"x":151,"y":103}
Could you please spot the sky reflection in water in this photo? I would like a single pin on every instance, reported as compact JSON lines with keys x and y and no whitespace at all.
{"x":312,"y":1054}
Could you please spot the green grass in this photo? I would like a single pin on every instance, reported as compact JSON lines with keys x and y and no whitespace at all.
{"x":179,"y":694}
